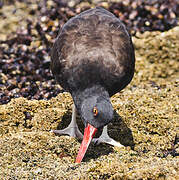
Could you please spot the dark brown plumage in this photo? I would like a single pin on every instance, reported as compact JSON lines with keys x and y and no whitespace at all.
{"x":93,"y":58}
{"x":96,"y":47}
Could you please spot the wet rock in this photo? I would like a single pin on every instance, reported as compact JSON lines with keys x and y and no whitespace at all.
{"x":146,"y":111}
{"x":25,"y":53}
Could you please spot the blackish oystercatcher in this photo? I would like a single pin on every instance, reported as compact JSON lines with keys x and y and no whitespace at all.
{"x":92,"y":58}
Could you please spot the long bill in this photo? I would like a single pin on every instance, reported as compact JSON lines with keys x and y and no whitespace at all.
{"x":88,"y":135}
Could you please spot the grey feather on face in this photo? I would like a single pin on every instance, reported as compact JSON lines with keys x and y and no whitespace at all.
{"x":104,"y":108}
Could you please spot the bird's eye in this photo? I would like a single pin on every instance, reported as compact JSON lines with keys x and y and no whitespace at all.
{"x":95,"y":111}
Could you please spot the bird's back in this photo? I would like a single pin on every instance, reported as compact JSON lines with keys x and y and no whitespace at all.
{"x":93,"y":48}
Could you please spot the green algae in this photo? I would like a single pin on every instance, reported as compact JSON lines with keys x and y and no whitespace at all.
{"x":146,"y":122}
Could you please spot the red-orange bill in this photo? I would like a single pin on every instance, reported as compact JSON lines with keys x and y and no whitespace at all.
{"x":88,"y":135}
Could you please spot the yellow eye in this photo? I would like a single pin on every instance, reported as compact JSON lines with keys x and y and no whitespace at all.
{"x":95,"y":111}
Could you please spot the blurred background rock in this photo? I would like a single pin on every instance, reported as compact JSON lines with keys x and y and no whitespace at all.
{"x":28,"y":29}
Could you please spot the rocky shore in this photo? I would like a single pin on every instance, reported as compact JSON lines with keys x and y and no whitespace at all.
{"x":146,"y":120}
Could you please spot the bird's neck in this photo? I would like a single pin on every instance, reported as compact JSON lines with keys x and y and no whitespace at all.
{"x":80,"y":95}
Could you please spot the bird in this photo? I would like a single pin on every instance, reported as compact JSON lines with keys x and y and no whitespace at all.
{"x":92,"y":58}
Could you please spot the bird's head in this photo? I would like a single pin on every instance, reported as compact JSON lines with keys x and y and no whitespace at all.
{"x":96,"y":112}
